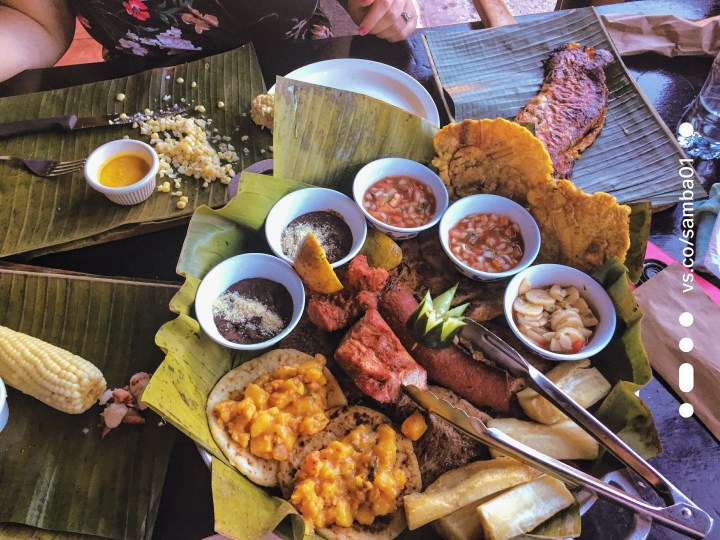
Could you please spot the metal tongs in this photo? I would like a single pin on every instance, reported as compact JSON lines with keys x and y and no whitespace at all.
{"x":682,"y":515}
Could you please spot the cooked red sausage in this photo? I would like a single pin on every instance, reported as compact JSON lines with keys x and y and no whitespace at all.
{"x":480,"y":384}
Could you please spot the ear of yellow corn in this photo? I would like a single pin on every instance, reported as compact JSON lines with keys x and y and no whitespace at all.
{"x":53,"y":375}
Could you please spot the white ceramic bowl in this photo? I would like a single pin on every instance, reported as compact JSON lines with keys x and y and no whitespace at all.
{"x":484,"y":203}
{"x":380,"y":168}
{"x":232,"y":270}
{"x":307,"y":200}
{"x":134,"y":193}
{"x":4,"y":412}
{"x":543,"y":275}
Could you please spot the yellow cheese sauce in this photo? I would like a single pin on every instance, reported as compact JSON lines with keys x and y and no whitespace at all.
{"x":354,"y":478}
{"x":276,"y":408}
{"x":123,"y":170}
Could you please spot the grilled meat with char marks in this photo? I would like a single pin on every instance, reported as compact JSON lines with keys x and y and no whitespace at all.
{"x":569,"y":111}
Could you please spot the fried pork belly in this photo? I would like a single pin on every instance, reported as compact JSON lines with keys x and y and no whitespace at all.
{"x":569,"y":111}
{"x":372,"y":355}
{"x":339,"y":310}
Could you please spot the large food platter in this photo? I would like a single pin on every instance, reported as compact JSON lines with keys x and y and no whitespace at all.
{"x":194,"y":363}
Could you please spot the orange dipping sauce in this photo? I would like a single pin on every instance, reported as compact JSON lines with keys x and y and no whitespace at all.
{"x":123,"y":170}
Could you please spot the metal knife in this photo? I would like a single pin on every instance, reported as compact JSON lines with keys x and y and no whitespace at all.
{"x":683,"y":517}
{"x":73,"y":122}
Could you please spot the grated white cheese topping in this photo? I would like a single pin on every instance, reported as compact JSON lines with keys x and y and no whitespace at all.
{"x":241,"y":310}
{"x":293,"y":236}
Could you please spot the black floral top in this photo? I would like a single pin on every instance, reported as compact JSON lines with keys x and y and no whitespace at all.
{"x":162,"y":27}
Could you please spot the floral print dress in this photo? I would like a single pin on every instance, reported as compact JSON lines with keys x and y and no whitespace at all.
{"x":162,"y":27}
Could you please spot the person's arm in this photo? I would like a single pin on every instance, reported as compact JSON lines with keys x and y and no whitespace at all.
{"x":393,"y":20}
{"x":33,"y":34}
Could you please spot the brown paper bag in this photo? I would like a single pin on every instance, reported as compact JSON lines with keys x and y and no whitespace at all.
{"x":663,"y":34}
{"x":663,"y":301}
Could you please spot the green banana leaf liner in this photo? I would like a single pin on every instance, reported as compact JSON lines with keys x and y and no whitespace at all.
{"x":304,"y":156}
{"x":56,"y":471}
{"x":44,"y":215}
{"x":194,"y":363}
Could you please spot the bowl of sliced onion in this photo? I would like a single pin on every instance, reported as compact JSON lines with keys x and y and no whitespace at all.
{"x":559,"y":312}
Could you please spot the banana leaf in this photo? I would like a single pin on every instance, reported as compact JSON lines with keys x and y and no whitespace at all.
{"x":56,"y":471}
{"x":323,"y":136}
{"x":640,"y":221}
{"x":308,"y":151}
{"x":40,"y":215}
{"x":495,"y":72}
{"x":194,"y":362}
{"x":625,"y":364}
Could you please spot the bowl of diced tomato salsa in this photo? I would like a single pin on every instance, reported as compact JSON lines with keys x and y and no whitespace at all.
{"x":489,"y":237}
{"x":400,"y":197}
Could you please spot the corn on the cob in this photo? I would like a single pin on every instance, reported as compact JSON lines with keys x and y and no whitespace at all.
{"x":53,"y":375}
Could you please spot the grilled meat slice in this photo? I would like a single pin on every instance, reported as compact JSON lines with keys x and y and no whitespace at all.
{"x":569,"y":111}
{"x":376,"y":360}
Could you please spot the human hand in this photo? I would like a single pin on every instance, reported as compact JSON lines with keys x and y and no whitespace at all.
{"x":393,"y":20}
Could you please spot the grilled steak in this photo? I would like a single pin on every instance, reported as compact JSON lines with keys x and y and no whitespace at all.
{"x":569,"y":111}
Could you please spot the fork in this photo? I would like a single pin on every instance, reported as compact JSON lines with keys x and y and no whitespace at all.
{"x":48,"y":167}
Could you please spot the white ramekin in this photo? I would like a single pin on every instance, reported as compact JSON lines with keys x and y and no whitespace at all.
{"x":234,"y":269}
{"x":132,"y":194}
{"x":306,"y":200}
{"x":380,"y":168}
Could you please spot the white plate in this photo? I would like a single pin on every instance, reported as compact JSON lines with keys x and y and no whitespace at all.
{"x":373,"y":79}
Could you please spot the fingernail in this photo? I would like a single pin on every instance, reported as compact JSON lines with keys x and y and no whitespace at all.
{"x":362,"y":30}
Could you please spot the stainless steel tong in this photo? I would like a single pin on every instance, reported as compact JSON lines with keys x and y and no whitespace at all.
{"x":682,"y":515}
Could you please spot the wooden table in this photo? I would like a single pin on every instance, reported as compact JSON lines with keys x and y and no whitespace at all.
{"x":691,"y":456}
